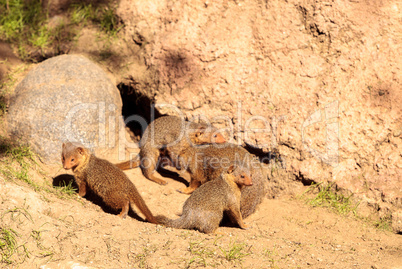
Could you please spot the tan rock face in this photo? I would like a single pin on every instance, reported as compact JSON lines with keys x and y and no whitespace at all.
{"x":320,"y":80}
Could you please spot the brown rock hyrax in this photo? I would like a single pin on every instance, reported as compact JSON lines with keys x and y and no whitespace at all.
{"x":169,"y":136}
{"x":205,"y":208}
{"x":207,"y":162}
{"x":104,"y":179}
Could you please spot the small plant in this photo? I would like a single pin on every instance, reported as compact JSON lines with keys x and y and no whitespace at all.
{"x":384,"y":223}
{"x":326,"y":197}
{"x":68,"y":189}
{"x":9,"y":246}
{"x":26,"y":24}
{"x":16,"y":213}
{"x":206,"y":255}
{"x":109,"y":23}
{"x":200,"y":253}
{"x":12,"y":19}
{"x":40,"y":38}
{"x":37,"y":237}
{"x":105,"y":17}
{"x":271,"y":256}
{"x":235,"y":252}
{"x":20,"y":18}
{"x":81,"y":13}
{"x":18,"y":153}
{"x":19,"y":156}
{"x":18,"y":160}
{"x":141,"y":259}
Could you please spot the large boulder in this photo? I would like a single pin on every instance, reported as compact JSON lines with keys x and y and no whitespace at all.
{"x":65,"y":98}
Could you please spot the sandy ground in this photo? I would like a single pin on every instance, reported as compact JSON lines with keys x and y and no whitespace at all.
{"x":59,"y":232}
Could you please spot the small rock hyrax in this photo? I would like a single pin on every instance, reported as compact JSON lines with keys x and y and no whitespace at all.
{"x":104,"y":179}
{"x":169,"y":136}
{"x":205,"y":208}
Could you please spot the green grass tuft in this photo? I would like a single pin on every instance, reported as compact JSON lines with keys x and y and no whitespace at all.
{"x":200,"y":253}
{"x":104,"y":17}
{"x":68,"y":189}
{"x":26,"y":24}
{"x":20,"y":153}
{"x":41,"y":38}
{"x":384,"y":223}
{"x":82,"y":13}
{"x":212,"y":255}
{"x":12,"y":19}
{"x":109,"y":22}
{"x":18,"y":16}
{"x":8,"y":244}
{"x":16,"y":163}
{"x":328,"y":197}
{"x":17,"y":160}
{"x":44,"y":251}
{"x":235,"y":252}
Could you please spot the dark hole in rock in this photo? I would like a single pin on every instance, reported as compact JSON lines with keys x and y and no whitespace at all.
{"x":137,"y":109}
{"x":266,"y":157}
{"x":64,"y":180}
{"x":138,"y":106}
{"x":303,"y":180}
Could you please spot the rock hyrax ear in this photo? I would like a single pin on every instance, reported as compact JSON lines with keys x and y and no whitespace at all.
{"x":81,"y":150}
{"x":231,"y":169}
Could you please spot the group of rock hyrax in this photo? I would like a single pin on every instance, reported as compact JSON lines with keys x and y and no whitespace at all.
{"x":225,"y":178}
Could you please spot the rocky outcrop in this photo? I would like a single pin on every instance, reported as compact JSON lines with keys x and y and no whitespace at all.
{"x":65,"y":98}
{"x":318,"y":81}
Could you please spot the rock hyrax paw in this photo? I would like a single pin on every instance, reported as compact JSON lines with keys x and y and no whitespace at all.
{"x":184,"y":191}
{"x":245,"y":226}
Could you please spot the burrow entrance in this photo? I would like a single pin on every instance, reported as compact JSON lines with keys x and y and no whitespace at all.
{"x":137,"y":104}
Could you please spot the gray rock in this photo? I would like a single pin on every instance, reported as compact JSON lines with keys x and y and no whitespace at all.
{"x":65,"y":98}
